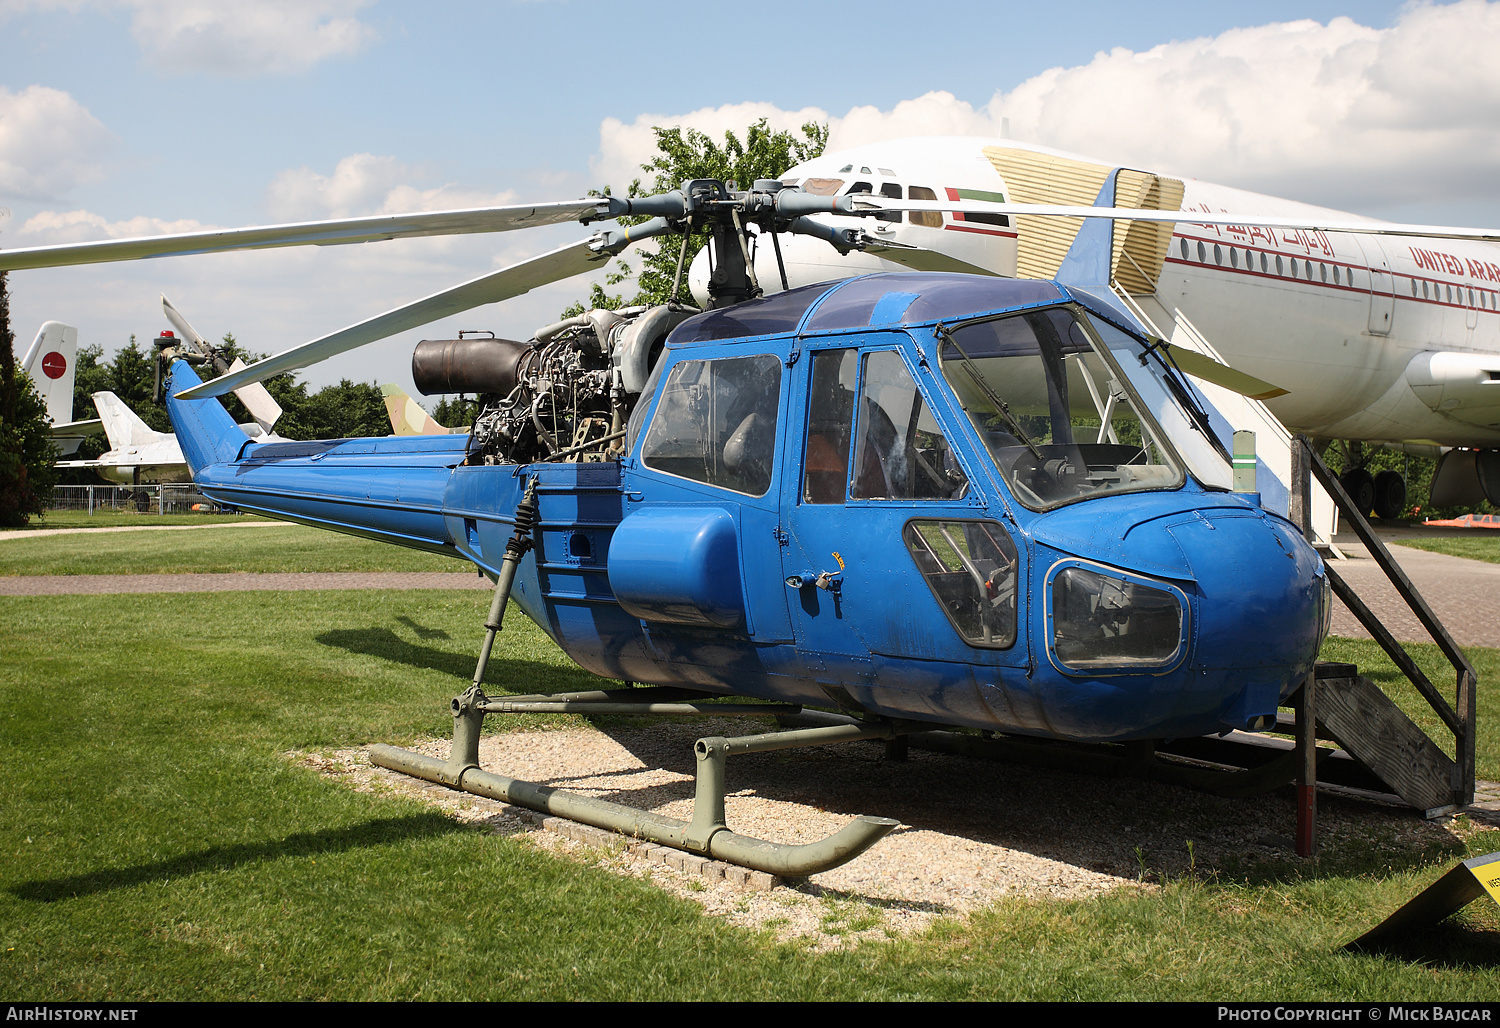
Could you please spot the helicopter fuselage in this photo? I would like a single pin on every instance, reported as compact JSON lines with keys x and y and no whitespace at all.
{"x":965,"y":501}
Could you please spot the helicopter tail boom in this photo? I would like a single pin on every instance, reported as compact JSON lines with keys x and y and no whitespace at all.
{"x":390,"y":488}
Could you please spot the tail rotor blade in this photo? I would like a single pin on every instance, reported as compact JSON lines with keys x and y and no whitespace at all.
{"x":553,"y":266}
{"x":184,"y":330}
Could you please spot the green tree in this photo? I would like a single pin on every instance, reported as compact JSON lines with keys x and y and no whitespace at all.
{"x":26,"y":449}
{"x":457,"y":413}
{"x":688,"y":154}
{"x":347,"y":410}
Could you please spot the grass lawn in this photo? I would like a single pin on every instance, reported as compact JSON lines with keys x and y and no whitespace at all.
{"x":1484,"y":544}
{"x":157,"y":843}
{"x":282,"y":548}
{"x":126,"y":519}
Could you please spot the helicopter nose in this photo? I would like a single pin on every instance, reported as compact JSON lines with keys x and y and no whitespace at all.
{"x":1259,"y":587}
{"x":1260,"y":607}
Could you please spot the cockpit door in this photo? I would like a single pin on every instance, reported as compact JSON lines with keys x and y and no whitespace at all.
{"x":874,"y":465}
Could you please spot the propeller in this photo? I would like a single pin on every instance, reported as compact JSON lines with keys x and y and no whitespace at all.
{"x":1369,"y":228}
{"x":310,"y":233}
{"x":919,"y":258}
{"x":699,"y":204}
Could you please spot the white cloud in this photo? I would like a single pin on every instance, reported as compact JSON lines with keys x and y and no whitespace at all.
{"x":624,"y":148}
{"x":49,"y":143}
{"x":246,"y":37}
{"x":48,"y":227}
{"x":1340,"y":114}
{"x":933,"y":114}
{"x":363,"y":183}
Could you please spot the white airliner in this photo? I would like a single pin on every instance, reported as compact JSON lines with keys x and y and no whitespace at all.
{"x":1373,"y":337}
{"x":51,"y":363}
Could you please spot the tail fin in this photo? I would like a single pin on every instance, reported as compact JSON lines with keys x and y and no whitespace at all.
{"x":49,"y":363}
{"x":121,"y":424}
{"x":407,"y":415}
{"x":205,"y":431}
{"x":257,"y":400}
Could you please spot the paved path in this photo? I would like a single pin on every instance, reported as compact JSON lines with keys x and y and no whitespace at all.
{"x":1465,"y":594}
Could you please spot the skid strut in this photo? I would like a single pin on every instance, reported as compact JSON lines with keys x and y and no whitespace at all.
{"x":706,"y":833}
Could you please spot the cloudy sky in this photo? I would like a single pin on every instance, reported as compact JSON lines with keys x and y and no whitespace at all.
{"x":127,"y":117}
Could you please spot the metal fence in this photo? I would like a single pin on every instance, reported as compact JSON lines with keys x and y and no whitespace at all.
{"x":147,"y":499}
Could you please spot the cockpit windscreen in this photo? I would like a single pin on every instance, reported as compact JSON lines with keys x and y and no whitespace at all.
{"x":1061,"y":422}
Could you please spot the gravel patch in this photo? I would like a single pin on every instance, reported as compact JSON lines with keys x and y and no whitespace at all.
{"x":972,"y":832}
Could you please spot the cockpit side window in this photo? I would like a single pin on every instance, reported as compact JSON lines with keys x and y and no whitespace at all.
{"x":900,"y":451}
{"x":970,"y":566}
{"x":716,"y":423}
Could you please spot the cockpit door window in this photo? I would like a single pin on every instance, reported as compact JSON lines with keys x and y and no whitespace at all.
{"x":830,"y":426}
{"x":900,"y":451}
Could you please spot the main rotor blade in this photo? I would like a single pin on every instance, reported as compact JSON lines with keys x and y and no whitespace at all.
{"x":553,"y":266}
{"x":307,"y":233}
{"x":1205,"y":367}
{"x":919,"y":258}
{"x":1310,"y":224}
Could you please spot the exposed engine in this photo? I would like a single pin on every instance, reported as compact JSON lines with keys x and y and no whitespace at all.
{"x":564,"y":395}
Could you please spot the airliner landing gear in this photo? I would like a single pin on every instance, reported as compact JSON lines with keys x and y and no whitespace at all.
{"x":1360,"y":485}
{"x":1383,"y":494}
{"x":1390,"y":494}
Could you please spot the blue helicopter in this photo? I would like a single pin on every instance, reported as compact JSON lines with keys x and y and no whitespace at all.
{"x":923,"y":499}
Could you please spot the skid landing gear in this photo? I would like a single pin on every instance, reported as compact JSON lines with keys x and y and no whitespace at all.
{"x":706,"y":834}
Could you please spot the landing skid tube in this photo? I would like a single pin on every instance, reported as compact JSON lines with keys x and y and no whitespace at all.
{"x":706,"y":834}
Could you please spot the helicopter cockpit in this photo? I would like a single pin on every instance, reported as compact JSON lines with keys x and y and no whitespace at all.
{"x":1068,"y":405}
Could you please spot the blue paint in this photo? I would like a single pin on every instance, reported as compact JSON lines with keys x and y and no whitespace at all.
{"x":678,"y":565}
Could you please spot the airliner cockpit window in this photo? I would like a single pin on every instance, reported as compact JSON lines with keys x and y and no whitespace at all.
{"x":1061,"y":422}
{"x":893,"y":191}
{"x":716,"y":423}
